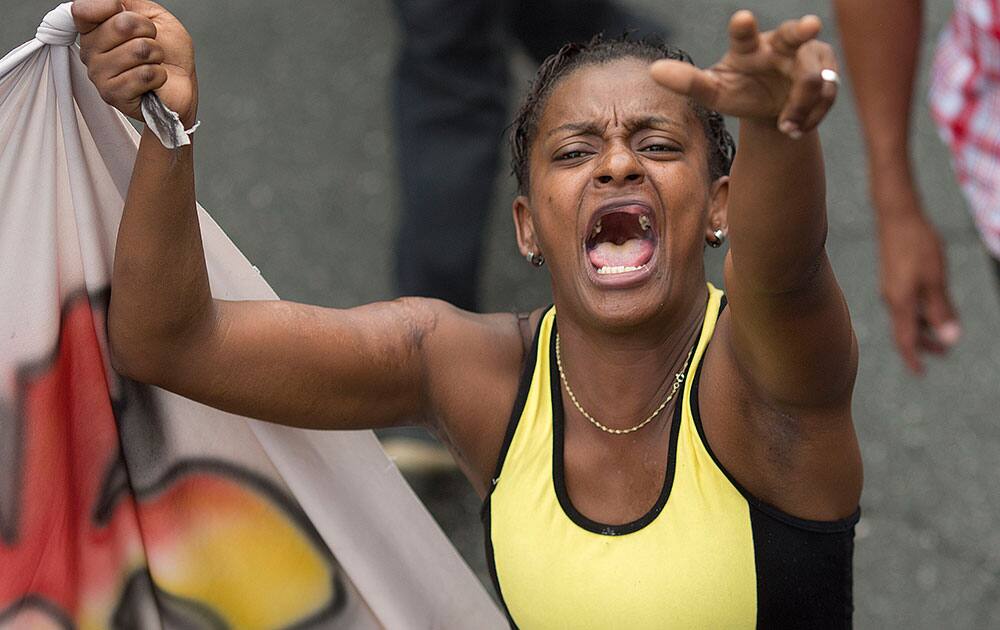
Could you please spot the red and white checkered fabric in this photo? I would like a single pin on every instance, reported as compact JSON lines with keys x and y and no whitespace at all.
{"x":965,"y":102}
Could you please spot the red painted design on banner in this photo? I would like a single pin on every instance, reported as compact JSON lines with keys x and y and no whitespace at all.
{"x":74,"y":556}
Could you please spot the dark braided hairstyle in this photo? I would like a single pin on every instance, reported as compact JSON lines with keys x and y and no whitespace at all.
{"x":598,"y":50}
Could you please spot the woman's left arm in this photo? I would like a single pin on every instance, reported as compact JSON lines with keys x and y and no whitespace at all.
{"x":790,"y":328}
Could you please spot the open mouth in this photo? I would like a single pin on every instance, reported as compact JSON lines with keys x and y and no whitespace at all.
{"x":621,"y":241}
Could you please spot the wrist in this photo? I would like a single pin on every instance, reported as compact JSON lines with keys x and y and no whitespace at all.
{"x":148,"y":137}
{"x":189,"y":117}
{"x":902,"y":214}
{"x":891,"y":166}
{"x":768,"y":126}
{"x":894,"y":193}
{"x":888,"y":151}
{"x":761,"y":123}
{"x":189,"y":120}
{"x":169,"y":126}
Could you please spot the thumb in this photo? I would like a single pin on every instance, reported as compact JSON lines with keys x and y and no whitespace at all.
{"x":686,"y":79}
{"x":89,"y":14}
{"x":941,"y":316}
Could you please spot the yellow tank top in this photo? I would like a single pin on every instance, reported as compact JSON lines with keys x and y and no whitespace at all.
{"x":706,"y":555}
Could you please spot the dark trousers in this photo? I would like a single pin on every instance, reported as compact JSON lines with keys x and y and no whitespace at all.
{"x":451,"y":109}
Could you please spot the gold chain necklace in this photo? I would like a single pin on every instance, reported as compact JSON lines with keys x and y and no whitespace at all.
{"x":678,"y":379}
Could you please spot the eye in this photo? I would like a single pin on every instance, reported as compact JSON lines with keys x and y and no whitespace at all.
{"x":660,"y":148}
{"x":575,"y":154}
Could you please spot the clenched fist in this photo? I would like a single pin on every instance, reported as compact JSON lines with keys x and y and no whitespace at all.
{"x":132,"y":47}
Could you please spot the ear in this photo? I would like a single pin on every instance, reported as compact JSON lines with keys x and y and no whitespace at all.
{"x":718,"y":208}
{"x":524,"y":226}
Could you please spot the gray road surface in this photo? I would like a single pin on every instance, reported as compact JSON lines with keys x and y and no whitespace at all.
{"x":297,"y":162}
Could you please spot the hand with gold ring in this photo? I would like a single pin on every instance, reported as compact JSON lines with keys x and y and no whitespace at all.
{"x":785,"y":75}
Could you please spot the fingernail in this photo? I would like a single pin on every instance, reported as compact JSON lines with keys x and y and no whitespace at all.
{"x":949,"y":333}
{"x":790,"y":129}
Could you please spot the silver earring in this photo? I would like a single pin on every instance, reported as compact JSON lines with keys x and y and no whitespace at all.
{"x":720,"y":238}
{"x":535,"y":259}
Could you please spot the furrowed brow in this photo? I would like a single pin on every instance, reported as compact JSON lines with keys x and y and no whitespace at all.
{"x":594,"y":128}
{"x":650,"y":122}
{"x":587,"y":128}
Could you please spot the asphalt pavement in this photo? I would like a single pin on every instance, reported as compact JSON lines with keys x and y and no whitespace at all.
{"x":297,"y":162}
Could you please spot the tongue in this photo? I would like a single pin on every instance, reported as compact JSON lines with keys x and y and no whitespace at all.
{"x":632,"y":253}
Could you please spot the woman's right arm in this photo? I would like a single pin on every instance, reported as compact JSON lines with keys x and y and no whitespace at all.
{"x":406,"y":361}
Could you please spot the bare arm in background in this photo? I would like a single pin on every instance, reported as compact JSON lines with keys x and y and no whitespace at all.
{"x":882,"y":44}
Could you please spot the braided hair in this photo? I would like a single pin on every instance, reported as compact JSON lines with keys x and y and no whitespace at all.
{"x":524,"y":129}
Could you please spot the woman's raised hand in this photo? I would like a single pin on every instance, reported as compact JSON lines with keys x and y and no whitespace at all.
{"x":775,"y":75}
{"x":132,"y":47}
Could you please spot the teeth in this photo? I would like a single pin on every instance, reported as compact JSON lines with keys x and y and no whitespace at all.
{"x":644,"y":222}
{"x":618,"y":269}
{"x":597,"y":229}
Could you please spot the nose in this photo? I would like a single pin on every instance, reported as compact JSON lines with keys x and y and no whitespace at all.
{"x":619,"y":168}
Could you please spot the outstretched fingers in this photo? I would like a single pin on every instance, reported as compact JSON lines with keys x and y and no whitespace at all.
{"x":744,"y":37}
{"x":784,"y":74}
{"x":814,"y":88}
{"x":683,"y":78}
{"x":792,"y":34}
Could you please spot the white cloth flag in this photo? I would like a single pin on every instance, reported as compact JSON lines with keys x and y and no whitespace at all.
{"x":124,"y":506}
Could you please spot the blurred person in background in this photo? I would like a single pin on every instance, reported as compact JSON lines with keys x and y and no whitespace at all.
{"x":882,"y":45}
{"x":452,"y":91}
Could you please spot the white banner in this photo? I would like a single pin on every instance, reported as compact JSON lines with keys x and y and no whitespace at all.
{"x":124,"y":506}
